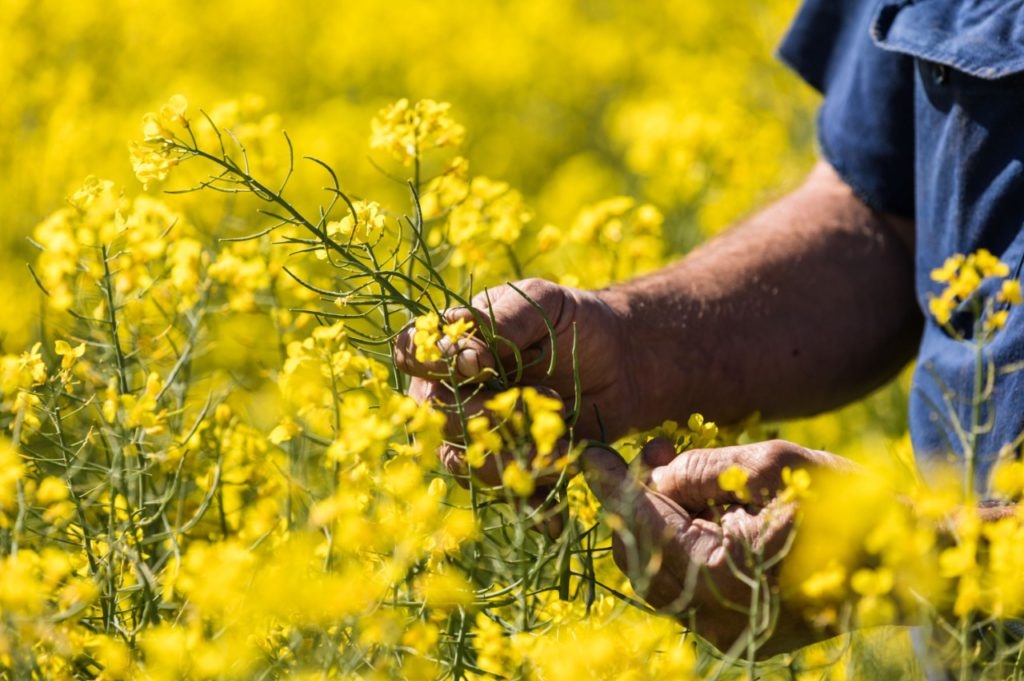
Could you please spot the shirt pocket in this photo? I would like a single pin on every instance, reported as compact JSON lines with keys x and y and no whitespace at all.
{"x":982,"y":39}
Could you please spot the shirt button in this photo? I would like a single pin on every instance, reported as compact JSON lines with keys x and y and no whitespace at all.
{"x":940,"y":74}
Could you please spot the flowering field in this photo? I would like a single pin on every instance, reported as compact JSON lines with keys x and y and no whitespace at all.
{"x":218,"y":218}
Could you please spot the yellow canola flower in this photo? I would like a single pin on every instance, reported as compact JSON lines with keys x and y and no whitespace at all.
{"x":518,"y":480}
{"x":958,"y":560}
{"x":483,"y":441}
{"x":364,"y":225}
{"x":826,"y":583}
{"x":1010,"y":292}
{"x":941,"y":307}
{"x":868,"y":582}
{"x":174,"y":110}
{"x":949,"y":269}
{"x":459,"y":329}
{"x":538,"y":403}
{"x":1008,"y":479}
{"x":546,"y":428}
{"x":734,"y":479}
{"x":68,"y":354}
{"x":504,"y":403}
{"x":142,"y":410}
{"x":152,"y":161}
{"x":796,"y":484}
{"x":406,"y":130}
{"x":995,"y":321}
{"x":154,"y":157}
{"x":703,"y":433}
{"x":284,"y":431}
{"x":963,"y":275}
{"x":21,"y":372}
{"x":989,"y":265}
{"x":426,"y":336}
{"x":51,"y":490}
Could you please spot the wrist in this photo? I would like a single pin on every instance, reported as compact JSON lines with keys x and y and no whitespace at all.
{"x":662,"y":357}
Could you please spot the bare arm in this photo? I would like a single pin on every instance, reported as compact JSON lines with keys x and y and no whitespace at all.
{"x":807,"y":305}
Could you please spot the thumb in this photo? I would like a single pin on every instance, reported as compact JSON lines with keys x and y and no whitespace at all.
{"x":692,"y":479}
{"x":610,"y":478}
{"x":519,"y":315}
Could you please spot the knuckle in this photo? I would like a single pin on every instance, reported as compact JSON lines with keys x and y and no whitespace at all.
{"x":453,"y":461}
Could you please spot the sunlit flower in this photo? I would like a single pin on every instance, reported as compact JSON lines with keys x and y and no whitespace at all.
{"x":426,"y":336}
{"x":407,"y":130}
{"x":365,"y":224}
{"x":1010,"y":292}
{"x":518,"y":480}
{"x":734,"y":479}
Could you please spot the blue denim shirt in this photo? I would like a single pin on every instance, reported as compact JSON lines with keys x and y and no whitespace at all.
{"x":923,"y":115}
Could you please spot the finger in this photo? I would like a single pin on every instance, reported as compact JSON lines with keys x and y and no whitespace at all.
{"x":403,"y":352}
{"x":645,"y":523}
{"x":609,"y":478}
{"x":453,"y":458}
{"x":658,"y":452}
{"x":514,"y":311}
{"x":521,"y":318}
{"x":472,"y":356}
{"x":465,"y":359}
{"x":646,"y":517}
{"x":693,"y":478}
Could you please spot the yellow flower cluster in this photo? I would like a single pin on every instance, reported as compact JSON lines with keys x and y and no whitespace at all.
{"x":19,"y":374}
{"x":696,"y":433}
{"x":365,"y":224}
{"x":154,"y":157}
{"x":963,"y":275}
{"x":925,"y":555}
{"x":476,"y":222}
{"x":605,"y":643}
{"x":611,"y":240}
{"x":526,"y":424}
{"x":426,"y":337}
{"x":406,"y":130}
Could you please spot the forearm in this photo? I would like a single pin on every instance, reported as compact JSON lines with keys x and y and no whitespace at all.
{"x":805,"y":306}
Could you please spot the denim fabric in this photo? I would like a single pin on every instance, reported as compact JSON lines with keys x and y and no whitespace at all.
{"x":924,"y":108}
{"x":866,"y":121}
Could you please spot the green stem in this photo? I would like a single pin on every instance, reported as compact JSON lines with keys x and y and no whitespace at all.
{"x":267,"y":194}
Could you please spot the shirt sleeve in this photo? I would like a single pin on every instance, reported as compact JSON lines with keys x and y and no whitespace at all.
{"x":866,"y":120}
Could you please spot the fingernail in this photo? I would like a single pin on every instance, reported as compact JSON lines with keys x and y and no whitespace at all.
{"x":446,"y":347}
{"x":657,"y":475}
{"x":468,"y":362}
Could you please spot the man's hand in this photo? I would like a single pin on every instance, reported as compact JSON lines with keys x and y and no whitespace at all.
{"x":535,"y":325}
{"x":689,"y":547}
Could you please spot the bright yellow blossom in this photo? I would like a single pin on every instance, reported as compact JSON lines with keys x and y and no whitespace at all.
{"x":364,"y":225}
{"x":1010,"y":292}
{"x":68,"y":354}
{"x":406,"y":130}
{"x":734,"y":479}
{"x":518,"y":480}
{"x":460,"y":328}
{"x":426,"y":337}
